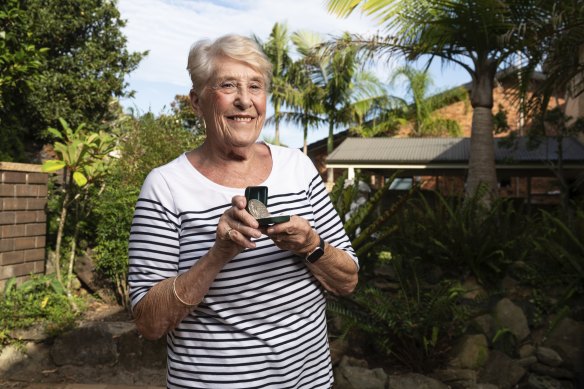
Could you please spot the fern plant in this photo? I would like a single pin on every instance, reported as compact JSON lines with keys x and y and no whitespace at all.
{"x":413,"y":325}
{"x":367,"y":226}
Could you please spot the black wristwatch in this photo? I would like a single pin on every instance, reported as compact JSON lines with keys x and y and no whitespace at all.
{"x":315,"y":254}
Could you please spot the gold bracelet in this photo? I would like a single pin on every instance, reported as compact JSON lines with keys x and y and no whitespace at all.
{"x":176,"y":295}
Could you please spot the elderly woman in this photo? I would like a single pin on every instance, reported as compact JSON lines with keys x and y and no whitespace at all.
{"x":242,"y":306}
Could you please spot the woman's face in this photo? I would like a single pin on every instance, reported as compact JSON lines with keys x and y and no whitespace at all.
{"x":233,"y":104}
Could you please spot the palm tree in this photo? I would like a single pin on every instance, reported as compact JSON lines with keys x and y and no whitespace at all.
{"x":422,"y":108}
{"x":307,"y":102}
{"x":481,"y":36}
{"x":276,"y":48}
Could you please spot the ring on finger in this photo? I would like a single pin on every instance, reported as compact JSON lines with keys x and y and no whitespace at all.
{"x":228,"y":234}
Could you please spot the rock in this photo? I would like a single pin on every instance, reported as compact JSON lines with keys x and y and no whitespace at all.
{"x":567,"y":339}
{"x":414,"y":381}
{"x":36,"y":333}
{"x":91,"y":345}
{"x":527,"y":361}
{"x":338,"y":348}
{"x":470,"y":352}
{"x":453,"y":377}
{"x":556,"y":372}
{"x":9,"y":357}
{"x":136,"y":352}
{"x":535,"y":381}
{"x":508,"y":315}
{"x":350,"y":376}
{"x":501,"y":370}
{"x":486,"y":325}
{"x":526,"y":350}
{"x":548,"y":356}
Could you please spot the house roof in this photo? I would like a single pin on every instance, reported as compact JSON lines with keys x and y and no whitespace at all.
{"x":451,"y":153}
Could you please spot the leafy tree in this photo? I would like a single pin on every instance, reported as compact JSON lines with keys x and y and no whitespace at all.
{"x":86,"y":62}
{"x":84,"y":156}
{"x":481,"y":36}
{"x":20,"y":64}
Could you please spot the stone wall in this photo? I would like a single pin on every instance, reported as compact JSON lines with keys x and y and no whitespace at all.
{"x":23,"y":199}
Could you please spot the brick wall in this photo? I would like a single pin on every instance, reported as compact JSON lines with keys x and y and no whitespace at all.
{"x":23,"y":198}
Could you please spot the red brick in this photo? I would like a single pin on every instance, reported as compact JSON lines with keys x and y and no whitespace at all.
{"x":23,"y":217}
{"x":40,"y":241}
{"x":34,"y":255}
{"x":27,"y":190}
{"x":17,"y":270}
{"x":39,"y":267}
{"x":12,"y":231}
{"x":7,"y":217}
{"x":37,"y":178}
{"x":36,"y":229}
{"x":36,"y":203}
{"x":12,"y":257}
{"x":12,"y":204}
{"x":14,"y":178}
{"x":25,"y":243}
{"x":6,"y":244}
{"x":41,"y":216}
{"x":43,"y":191}
{"x":7,"y":190}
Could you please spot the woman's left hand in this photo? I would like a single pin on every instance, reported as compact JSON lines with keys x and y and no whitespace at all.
{"x":295,"y":235}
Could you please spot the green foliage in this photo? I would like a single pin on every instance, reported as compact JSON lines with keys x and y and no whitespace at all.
{"x":462,"y":236}
{"x":558,"y":254}
{"x":114,"y":210}
{"x":20,"y":70}
{"x":413,"y":325}
{"x":82,"y":70}
{"x":40,"y":300}
{"x":146,"y":142}
{"x":365,"y":223}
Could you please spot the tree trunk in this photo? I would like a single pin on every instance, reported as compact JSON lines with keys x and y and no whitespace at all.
{"x":482,"y":175}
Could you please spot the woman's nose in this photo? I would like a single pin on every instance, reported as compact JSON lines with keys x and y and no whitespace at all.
{"x":243,"y":98}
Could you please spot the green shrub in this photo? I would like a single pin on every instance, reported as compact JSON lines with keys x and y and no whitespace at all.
{"x":39,"y":300}
{"x":148,"y":142}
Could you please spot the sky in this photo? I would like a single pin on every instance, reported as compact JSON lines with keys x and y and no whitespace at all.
{"x":167,"y":29}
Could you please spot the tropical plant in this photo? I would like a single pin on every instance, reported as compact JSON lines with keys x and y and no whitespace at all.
{"x":480,"y":36}
{"x":84,"y":156}
{"x":413,"y":325}
{"x":421,"y":110}
{"x":367,"y":225}
{"x":276,"y":48}
{"x":561,"y":246}
{"x":460,"y":237}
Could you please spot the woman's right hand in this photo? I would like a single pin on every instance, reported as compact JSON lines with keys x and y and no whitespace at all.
{"x":235,"y":230}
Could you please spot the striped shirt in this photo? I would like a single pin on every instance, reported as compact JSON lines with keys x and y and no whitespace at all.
{"x":262,"y":324}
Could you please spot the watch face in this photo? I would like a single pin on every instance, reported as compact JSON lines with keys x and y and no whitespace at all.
{"x":317,"y":253}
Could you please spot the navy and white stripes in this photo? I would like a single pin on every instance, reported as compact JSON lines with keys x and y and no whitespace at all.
{"x":262,"y":324}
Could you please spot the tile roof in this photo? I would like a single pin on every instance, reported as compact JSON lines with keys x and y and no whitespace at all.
{"x":449,"y":150}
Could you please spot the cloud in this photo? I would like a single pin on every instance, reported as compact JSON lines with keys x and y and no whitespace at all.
{"x":168,"y":28}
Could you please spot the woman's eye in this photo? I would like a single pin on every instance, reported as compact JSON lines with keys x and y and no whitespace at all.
{"x":228,"y":86}
{"x":256,"y":88}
